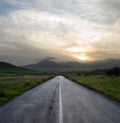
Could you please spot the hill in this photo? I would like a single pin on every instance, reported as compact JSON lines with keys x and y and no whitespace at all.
{"x":9,"y":68}
{"x":51,"y":65}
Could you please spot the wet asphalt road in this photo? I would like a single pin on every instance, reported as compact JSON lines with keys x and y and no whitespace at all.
{"x":60,"y":101}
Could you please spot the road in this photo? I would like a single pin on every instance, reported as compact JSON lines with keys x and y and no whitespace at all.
{"x":60,"y":100}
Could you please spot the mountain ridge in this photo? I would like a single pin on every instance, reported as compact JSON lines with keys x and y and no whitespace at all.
{"x":51,"y":65}
{"x":10,"y":68}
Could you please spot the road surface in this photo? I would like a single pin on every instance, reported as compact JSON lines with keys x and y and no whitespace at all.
{"x":60,"y":100}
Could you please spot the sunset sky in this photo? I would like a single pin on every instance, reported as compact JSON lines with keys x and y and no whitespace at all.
{"x":69,"y":30}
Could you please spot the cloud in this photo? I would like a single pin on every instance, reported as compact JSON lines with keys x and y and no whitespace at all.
{"x":42,"y":28}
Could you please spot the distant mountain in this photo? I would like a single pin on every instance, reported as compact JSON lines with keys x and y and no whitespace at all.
{"x":51,"y":65}
{"x":9,"y":68}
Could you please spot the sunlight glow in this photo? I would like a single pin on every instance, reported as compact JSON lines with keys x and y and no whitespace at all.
{"x":76,"y":49}
{"x":82,"y":57}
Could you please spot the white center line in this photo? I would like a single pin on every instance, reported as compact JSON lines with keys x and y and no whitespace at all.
{"x":60,"y":105}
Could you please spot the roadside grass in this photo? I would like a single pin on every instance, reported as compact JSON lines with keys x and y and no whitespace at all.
{"x":109,"y":86}
{"x":12,"y":86}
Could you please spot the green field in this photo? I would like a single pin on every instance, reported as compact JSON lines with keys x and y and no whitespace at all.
{"x":12,"y":85}
{"x":109,"y":86}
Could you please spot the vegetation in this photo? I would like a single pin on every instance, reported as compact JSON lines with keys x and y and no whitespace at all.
{"x":12,"y":86}
{"x":109,"y":72}
{"x":108,"y":85}
{"x":12,"y":69}
{"x":16,"y":80}
{"x":114,"y":71}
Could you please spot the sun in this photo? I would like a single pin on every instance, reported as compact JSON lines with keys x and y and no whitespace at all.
{"x":82,"y":58}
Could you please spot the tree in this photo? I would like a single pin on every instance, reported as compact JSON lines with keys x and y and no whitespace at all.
{"x":114,"y":71}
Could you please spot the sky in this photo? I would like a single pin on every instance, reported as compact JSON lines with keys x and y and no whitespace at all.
{"x":68,"y":30}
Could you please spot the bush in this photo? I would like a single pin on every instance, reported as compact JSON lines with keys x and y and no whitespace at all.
{"x":79,"y":74}
{"x":114,"y":71}
{"x":2,"y":93}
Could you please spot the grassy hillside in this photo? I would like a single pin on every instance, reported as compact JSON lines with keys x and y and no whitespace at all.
{"x":9,"y":68}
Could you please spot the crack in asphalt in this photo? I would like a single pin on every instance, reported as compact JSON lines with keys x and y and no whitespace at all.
{"x":51,"y":107}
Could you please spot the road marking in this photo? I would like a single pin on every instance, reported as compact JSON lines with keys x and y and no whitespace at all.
{"x":60,"y":105}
